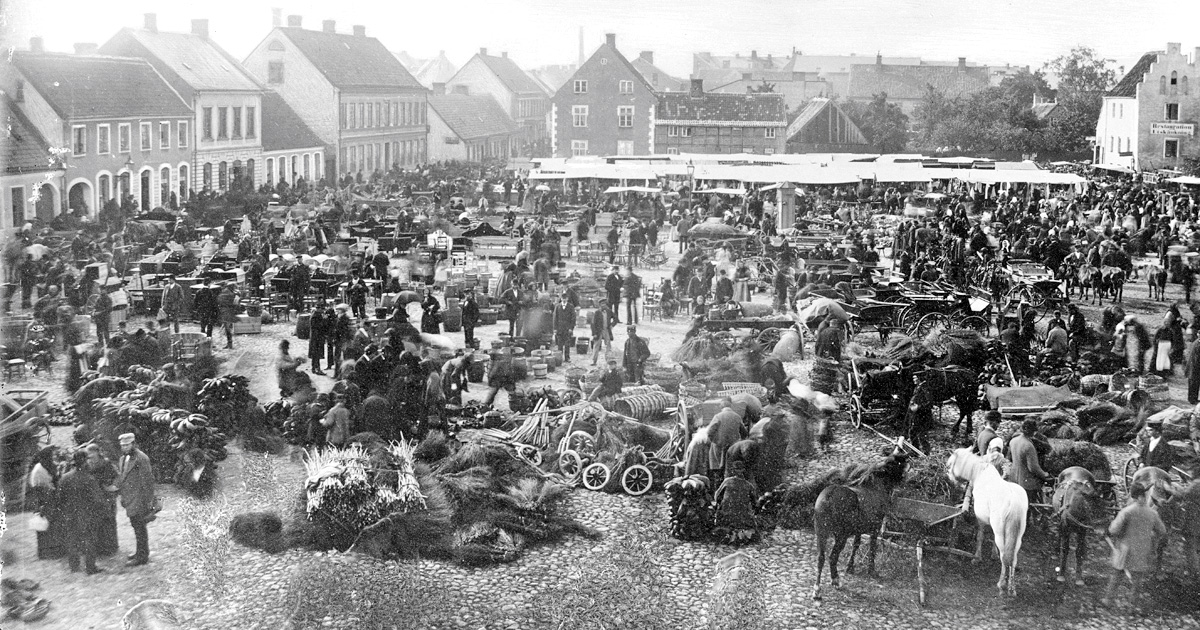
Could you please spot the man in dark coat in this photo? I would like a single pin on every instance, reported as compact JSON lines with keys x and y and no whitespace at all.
{"x":564,"y":326}
{"x":632,"y":287}
{"x":637,"y":351}
{"x":101,"y":314}
{"x":227,"y":309}
{"x":1156,"y":451}
{"x":470,"y":319}
{"x":1193,"y":372}
{"x":724,"y":290}
{"x":318,"y":328}
{"x":83,"y":504}
{"x":987,"y":433}
{"x":612,"y":291}
{"x":614,"y":238}
{"x":172,"y":301}
{"x":724,"y":431}
{"x":298,"y":286}
{"x":136,"y":485}
{"x":375,"y":415}
{"x":205,"y":307}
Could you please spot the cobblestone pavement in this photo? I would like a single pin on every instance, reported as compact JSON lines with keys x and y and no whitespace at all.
{"x":654,"y":580}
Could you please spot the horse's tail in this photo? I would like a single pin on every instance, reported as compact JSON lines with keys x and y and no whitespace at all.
{"x":1012,"y":526}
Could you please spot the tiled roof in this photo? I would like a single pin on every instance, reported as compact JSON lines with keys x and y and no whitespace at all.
{"x":511,"y":75}
{"x":349,"y":61}
{"x":714,"y":106}
{"x":22,"y":148}
{"x":282,"y":127}
{"x":657,"y":78}
{"x":99,"y":87}
{"x":1042,"y":110}
{"x":436,"y":70}
{"x":552,"y":77}
{"x":472,"y":116}
{"x":911,"y":82}
{"x":1127,"y":86}
{"x":197,"y":62}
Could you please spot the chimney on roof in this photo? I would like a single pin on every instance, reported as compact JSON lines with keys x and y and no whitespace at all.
{"x":329,"y":26}
{"x":37,"y":44}
{"x":697,"y":88}
{"x":878,"y":59}
{"x":360,"y":30}
{"x":86,"y":48}
{"x":754,"y":55}
{"x":465,"y":90}
{"x":295,"y":21}
{"x":962,"y":63}
{"x":504,"y":54}
{"x":200,"y":28}
{"x":647,"y":56}
{"x":276,"y":17}
{"x":150,"y":22}
{"x":483,"y":52}
{"x":610,"y":39}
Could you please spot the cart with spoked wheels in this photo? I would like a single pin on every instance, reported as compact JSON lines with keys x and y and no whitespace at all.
{"x":607,"y":461}
{"x":923,"y":526}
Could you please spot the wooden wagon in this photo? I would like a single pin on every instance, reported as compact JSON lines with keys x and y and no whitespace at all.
{"x":928,"y":527}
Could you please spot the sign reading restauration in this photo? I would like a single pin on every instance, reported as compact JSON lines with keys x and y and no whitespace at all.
{"x":1173,"y":129}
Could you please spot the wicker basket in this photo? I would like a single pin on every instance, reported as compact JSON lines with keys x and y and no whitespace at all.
{"x":755,"y":389}
{"x":665,"y":378}
{"x":693,"y":390}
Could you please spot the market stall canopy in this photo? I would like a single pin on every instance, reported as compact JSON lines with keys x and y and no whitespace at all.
{"x":637,"y":189}
{"x":934,"y":196}
{"x":723,"y":191}
{"x":714,"y":228}
{"x":1017,"y":177}
{"x":1113,"y":167}
{"x":1185,"y":179}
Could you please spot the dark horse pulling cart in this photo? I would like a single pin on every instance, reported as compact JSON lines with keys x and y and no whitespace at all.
{"x":902,"y":394}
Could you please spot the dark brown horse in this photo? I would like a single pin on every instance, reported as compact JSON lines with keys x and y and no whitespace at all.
{"x":858,"y":508}
{"x":1077,"y":509}
{"x":939,"y":385}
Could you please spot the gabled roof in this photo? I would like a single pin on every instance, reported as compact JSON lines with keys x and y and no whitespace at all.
{"x":550,"y":78}
{"x":78,"y":86}
{"x":658,"y":78}
{"x":511,"y":75}
{"x":721,"y":107}
{"x":282,"y":127}
{"x":911,"y":82}
{"x":472,"y":116}
{"x":1042,"y":110}
{"x":188,"y":61}
{"x":350,"y":61}
{"x":1127,"y":86}
{"x":606,"y":49}
{"x":410,"y":62}
{"x":436,"y":70}
{"x":843,"y":127}
{"x":22,"y":148}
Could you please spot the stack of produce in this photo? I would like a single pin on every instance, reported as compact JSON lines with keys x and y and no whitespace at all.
{"x":341,"y":492}
{"x":1065,"y":454}
{"x":199,"y":446}
{"x":691,"y":505}
{"x":225,"y":400}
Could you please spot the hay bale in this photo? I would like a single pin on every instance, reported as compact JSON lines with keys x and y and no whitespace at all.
{"x":1065,"y":454}
{"x":925,"y":480}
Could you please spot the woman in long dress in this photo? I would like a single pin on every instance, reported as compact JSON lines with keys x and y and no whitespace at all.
{"x":41,"y":496}
{"x":106,"y":524}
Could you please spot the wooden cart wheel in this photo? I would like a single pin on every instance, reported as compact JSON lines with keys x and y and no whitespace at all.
{"x":596,"y":476}
{"x":636,"y":480}
{"x":856,"y":411}
{"x":569,"y":397}
{"x":976,"y":323}
{"x":908,"y":317}
{"x":1131,"y":467}
{"x":530,"y":454}
{"x":581,"y":442}
{"x":570,"y":464}
{"x":929,"y":323}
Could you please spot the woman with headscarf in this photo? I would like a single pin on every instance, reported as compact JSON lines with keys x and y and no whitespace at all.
{"x":41,"y":496}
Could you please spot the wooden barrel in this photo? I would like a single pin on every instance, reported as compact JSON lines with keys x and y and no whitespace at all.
{"x":303,"y":326}
{"x":452,"y":320}
{"x":645,"y":406}
{"x":477,"y":368}
{"x":539,"y":370}
{"x":488,"y":316}
{"x":582,"y":344}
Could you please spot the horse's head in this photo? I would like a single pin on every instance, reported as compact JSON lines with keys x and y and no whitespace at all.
{"x":958,"y":466}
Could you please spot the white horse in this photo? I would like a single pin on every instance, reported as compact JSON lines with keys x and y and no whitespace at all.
{"x":999,"y":504}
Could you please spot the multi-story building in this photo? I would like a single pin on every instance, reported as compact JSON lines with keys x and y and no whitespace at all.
{"x":706,"y":122}
{"x":1148,"y":120}
{"x":291,"y":150}
{"x":521,"y":97}
{"x":115,"y":123}
{"x":469,"y":127}
{"x":226,"y":144}
{"x":354,"y":94}
{"x":907,"y":85}
{"x":31,"y":175}
{"x":606,"y":108}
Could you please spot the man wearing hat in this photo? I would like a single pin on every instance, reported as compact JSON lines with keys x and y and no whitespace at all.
{"x":612,"y":291}
{"x":637,"y":351}
{"x":602,"y":335}
{"x":1155,"y":450}
{"x":988,"y":433}
{"x":172,"y":301}
{"x":1027,"y":469}
{"x":135,"y":482}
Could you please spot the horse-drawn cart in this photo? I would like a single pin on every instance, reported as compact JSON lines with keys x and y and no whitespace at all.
{"x":927,"y":526}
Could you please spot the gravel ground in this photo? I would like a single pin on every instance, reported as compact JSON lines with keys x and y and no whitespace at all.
{"x":636,"y":576}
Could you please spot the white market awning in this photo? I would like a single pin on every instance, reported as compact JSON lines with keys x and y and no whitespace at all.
{"x":723,"y":191}
{"x":1185,"y":179}
{"x":636,"y":189}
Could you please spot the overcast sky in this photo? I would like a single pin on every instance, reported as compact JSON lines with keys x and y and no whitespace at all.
{"x":537,"y":32}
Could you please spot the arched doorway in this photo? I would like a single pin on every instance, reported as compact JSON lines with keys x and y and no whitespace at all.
{"x":79,"y":197}
{"x":144,"y":191}
{"x":46,"y":203}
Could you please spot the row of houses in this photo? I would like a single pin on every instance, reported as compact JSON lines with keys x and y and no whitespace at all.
{"x":160,"y":115}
